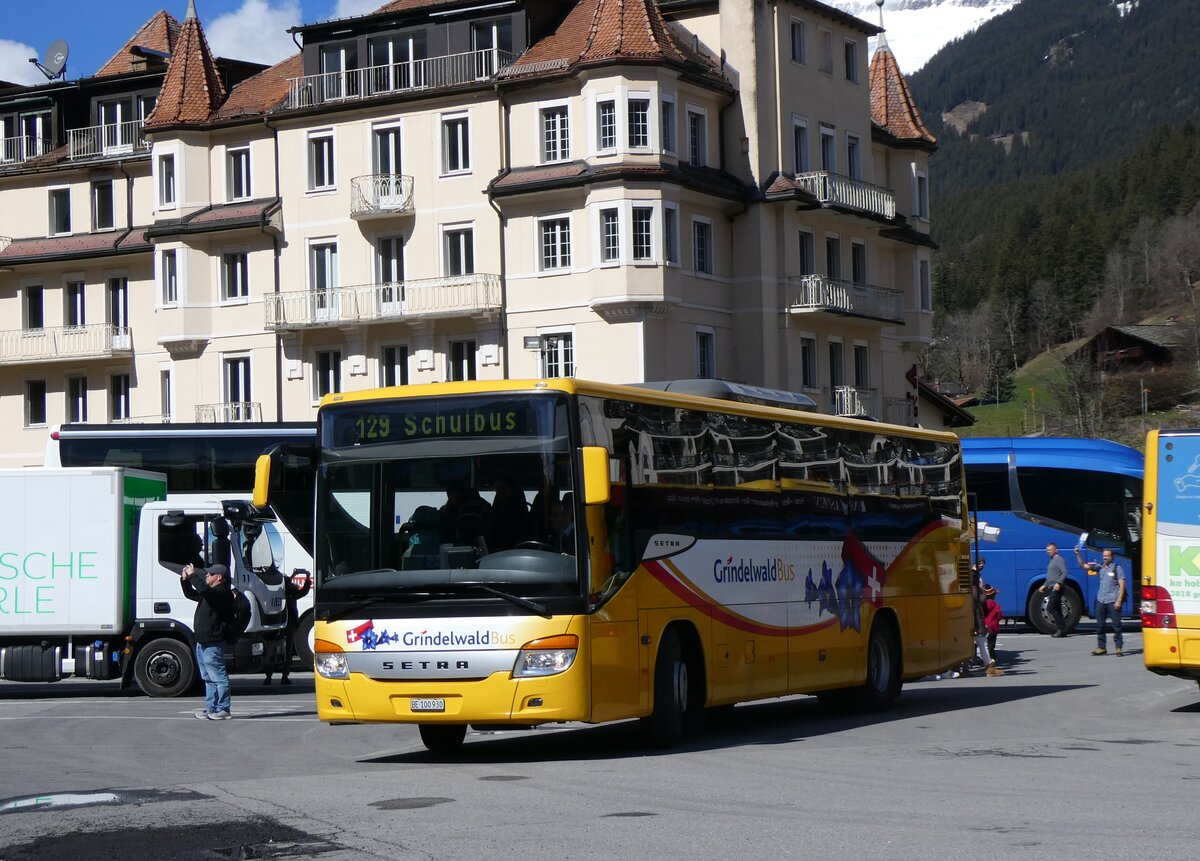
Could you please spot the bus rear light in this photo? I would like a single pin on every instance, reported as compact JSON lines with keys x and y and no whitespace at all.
{"x":1158,"y":609}
{"x":548,"y":656}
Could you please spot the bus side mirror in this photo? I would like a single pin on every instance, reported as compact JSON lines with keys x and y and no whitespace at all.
{"x":595,"y":475}
{"x":262,"y":480}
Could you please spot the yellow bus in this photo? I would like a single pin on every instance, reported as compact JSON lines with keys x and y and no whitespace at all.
{"x":513,"y":553}
{"x":1171,"y":554}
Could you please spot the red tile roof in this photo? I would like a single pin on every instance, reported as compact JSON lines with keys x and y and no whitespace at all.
{"x":158,"y":34}
{"x":42,"y":249}
{"x":192,"y":89}
{"x":892,"y":106}
{"x":262,"y":92}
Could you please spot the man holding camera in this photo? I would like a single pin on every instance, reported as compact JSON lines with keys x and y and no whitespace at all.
{"x":1109,"y":597}
{"x":216,"y":613}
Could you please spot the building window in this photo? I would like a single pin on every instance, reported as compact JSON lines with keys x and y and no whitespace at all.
{"x":327,"y":378}
{"x":702,"y":246}
{"x":556,"y":243}
{"x":828,"y":148}
{"x":639,"y":123}
{"x":800,"y":145}
{"x":35,"y":307}
{"x":166,"y":396}
{"x":808,"y":260}
{"x":833,"y":257}
{"x":667,"y":110}
{"x":671,"y":234}
{"x":393,"y":366}
{"x":77,"y":398}
{"x":35,"y":403}
{"x":389,"y":267}
{"x":853,"y":157}
{"x":808,"y":362}
{"x":320,"y":161}
{"x":556,"y":135}
{"x":862,"y":366}
{"x":75,"y":310}
{"x":606,"y":125}
{"x":118,"y":302}
{"x":323,"y":267}
{"x":385,"y":153}
{"x":643,"y":245}
{"x":836,"y":377}
{"x":610,"y":236}
{"x":825,"y":50}
{"x":921,"y":194}
{"x":706,"y":356}
{"x":166,"y":180}
{"x":797,"y":41}
{"x":924,"y":285}
{"x":456,"y":145}
{"x":558,"y":354}
{"x":697,"y":139}
{"x":169,"y":277}
{"x":102,"y":205}
{"x":858,"y":263}
{"x":235,"y":275}
{"x":237,"y":166}
{"x":237,"y":388}
{"x":851,"y":52}
{"x":459,"y":251}
{"x":462,"y":361}
{"x":118,"y":397}
{"x":60,"y":211}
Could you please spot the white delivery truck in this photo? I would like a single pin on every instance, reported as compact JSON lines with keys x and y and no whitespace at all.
{"x":90,"y":560}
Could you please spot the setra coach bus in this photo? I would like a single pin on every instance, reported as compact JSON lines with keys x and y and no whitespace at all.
{"x":505,"y":554}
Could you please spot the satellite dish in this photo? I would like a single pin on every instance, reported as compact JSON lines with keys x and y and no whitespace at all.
{"x":54,"y":61}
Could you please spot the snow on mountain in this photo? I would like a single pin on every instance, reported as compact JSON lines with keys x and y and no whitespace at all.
{"x":917,"y":29}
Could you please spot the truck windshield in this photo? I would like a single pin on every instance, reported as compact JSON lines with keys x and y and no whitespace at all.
{"x":442,"y":497}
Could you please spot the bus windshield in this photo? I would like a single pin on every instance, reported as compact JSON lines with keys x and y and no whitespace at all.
{"x":451,"y":496}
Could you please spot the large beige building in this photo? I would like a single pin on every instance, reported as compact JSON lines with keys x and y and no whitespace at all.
{"x":439,"y":190}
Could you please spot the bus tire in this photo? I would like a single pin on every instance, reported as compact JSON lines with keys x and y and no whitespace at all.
{"x":1039,"y":616}
{"x":164,"y":668}
{"x":302,"y":640}
{"x":443,"y":737}
{"x":884,"y":676}
{"x":675,"y":710}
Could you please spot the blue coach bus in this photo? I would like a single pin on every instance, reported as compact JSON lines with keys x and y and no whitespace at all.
{"x":1042,"y":490}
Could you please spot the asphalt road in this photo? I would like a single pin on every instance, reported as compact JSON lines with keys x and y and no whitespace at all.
{"x":1065,"y":755}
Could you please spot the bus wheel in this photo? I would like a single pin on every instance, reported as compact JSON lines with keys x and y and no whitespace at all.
{"x":164,"y":668}
{"x":666,"y":724}
{"x":443,"y":737}
{"x":1039,"y":616}
{"x":883,"y":680}
{"x":302,"y":641}
{"x":1072,"y":608}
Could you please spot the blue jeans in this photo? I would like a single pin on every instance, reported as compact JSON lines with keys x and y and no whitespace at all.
{"x":1105,"y":611}
{"x":211,"y":661}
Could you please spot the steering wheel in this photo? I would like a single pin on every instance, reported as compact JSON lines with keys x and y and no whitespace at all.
{"x":534,"y":545}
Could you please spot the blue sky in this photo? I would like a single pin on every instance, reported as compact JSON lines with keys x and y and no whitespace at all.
{"x":96,"y":29}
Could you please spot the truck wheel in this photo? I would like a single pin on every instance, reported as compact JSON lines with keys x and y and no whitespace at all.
{"x":302,"y":641}
{"x":443,"y":737}
{"x":164,"y":668}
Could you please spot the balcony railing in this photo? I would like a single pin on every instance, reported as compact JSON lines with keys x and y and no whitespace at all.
{"x":851,"y":401}
{"x":810,"y":293}
{"x":64,"y":343}
{"x":381,"y":194}
{"x":106,"y":140}
{"x":237,"y":411}
{"x":17,"y":150}
{"x":372,"y":303}
{"x":366,"y":83}
{"x":833,"y":189}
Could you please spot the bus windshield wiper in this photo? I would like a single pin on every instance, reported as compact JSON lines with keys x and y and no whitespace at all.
{"x":531,"y":606}
{"x":359,"y":605}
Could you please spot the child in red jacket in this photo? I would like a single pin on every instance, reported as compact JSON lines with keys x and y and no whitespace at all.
{"x":992,"y":615}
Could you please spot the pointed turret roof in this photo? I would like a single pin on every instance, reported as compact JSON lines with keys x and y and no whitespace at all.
{"x":892,"y":105}
{"x":159,"y":34}
{"x":192,"y":89}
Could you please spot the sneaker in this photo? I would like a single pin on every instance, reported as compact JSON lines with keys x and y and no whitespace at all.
{"x":202,"y":715}
{"x":220,"y":716}
{"x":1120,"y":652}
{"x":1059,"y":634}
{"x":1102,"y":651}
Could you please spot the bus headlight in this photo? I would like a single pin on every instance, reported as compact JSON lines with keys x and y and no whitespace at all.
{"x":333,"y":666}
{"x":546,"y":657}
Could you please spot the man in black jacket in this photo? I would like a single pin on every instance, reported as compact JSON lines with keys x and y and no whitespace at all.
{"x":216,"y":613}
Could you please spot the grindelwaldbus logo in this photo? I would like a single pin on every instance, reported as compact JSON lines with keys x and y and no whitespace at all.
{"x":753,"y":571}
{"x":457,"y":638}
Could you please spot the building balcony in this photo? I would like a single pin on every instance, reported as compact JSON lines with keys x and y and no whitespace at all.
{"x":372,"y":81}
{"x":64,"y":344}
{"x":21,"y":149}
{"x":833,"y":189}
{"x":380,"y":195}
{"x":110,"y":139}
{"x":808,"y":294}
{"x":851,"y":401}
{"x":236,"y":411}
{"x":454,"y":296}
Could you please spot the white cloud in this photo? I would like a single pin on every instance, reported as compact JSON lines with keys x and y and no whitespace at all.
{"x":346,"y":8}
{"x":257,"y":31}
{"x":14,"y":63}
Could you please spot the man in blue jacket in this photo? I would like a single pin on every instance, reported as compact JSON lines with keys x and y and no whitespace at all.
{"x":216,"y":615}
